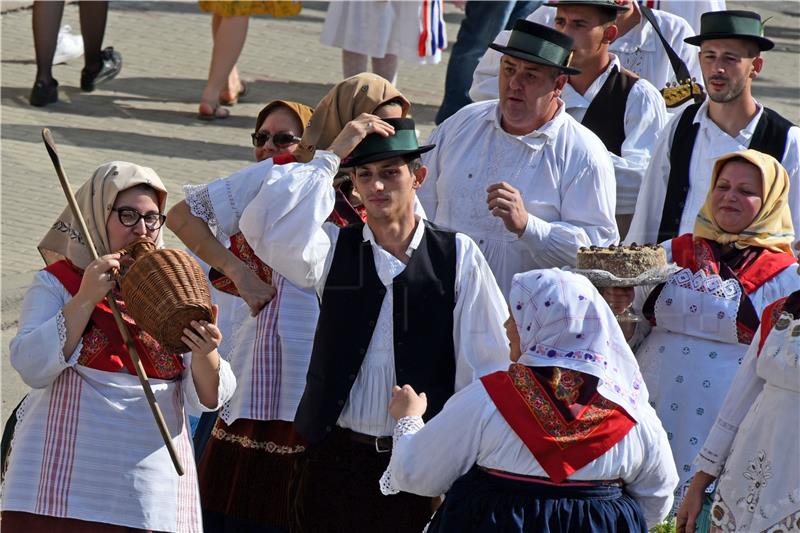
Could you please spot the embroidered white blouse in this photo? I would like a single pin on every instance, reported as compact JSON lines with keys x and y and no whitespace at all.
{"x":428,"y":458}
{"x":86,"y":445}
{"x":640,"y":50}
{"x":711,"y":143}
{"x":285,"y":225}
{"x":562,"y":170}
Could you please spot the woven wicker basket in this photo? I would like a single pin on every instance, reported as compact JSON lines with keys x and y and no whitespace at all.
{"x":164,"y":290}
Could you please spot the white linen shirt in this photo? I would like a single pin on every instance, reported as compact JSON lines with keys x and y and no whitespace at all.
{"x":645,"y":116}
{"x":640,"y":51}
{"x":711,"y":143}
{"x":562,"y":170}
{"x":428,"y":458}
{"x":285,"y":225}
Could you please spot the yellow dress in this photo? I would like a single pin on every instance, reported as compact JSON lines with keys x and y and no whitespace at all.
{"x":280,"y":8}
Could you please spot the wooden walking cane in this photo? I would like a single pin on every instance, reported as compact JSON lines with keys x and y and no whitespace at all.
{"x":50,"y":144}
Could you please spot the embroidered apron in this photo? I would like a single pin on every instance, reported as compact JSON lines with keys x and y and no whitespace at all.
{"x":759,"y":486}
{"x":689,"y":359}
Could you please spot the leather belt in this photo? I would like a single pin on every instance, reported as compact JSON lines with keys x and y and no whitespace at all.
{"x":381,"y":444}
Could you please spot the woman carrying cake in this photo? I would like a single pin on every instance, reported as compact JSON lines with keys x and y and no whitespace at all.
{"x":702,"y":319}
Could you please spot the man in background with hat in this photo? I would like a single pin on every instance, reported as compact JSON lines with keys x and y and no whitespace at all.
{"x":730,"y":119}
{"x":625,"y":111}
{"x":402,"y":302}
{"x":637,"y":45}
{"x":520,"y":176}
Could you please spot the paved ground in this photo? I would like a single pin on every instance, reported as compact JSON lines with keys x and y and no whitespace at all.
{"x":147,"y":115}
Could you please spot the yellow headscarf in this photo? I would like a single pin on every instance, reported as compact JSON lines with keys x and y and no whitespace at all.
{"x":772,"y":228}
{"x":302,"y":111}
{"x":361,"y":93}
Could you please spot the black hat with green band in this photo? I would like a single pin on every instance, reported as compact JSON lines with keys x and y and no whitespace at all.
{"x":611,"y":5}
{"x":539,"y":44}
{"x":376,"y":147}
{"x":732,"y":25}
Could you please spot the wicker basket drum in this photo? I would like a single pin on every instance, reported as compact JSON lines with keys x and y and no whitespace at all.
{"x":164,"y":290}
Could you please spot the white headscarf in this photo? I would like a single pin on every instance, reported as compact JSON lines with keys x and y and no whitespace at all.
{"x":563,"y":321}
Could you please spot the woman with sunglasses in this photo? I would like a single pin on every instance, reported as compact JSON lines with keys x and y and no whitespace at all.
{"x":86,"y":455}
{"x":230,"y":466}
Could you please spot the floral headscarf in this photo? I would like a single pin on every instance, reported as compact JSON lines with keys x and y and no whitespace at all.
{"x":564,"y":322}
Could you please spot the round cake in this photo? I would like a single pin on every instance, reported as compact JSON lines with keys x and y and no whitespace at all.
{"x":622,"y":261}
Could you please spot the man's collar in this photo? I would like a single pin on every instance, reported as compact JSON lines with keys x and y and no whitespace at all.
{"x":572,"y":97}
{"x":419,"y":231}
{"x":746,"y":133}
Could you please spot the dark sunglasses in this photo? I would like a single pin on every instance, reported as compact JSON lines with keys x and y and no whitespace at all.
{"x":129,"y":217}
{"x":280,"y":140}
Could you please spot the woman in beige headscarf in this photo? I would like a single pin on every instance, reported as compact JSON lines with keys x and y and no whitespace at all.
{"x":253,"y":446}
{"x":86,"y":454}
{"x":703,"y":318}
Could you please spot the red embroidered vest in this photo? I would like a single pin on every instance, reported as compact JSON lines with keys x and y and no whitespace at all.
{"x":561,"y":446}
{"x":103,"y":347}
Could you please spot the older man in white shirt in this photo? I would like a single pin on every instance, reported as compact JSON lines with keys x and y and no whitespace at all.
{"x":677,"y":181}
{"x":520,"y":176}
{"x":637,"y":46}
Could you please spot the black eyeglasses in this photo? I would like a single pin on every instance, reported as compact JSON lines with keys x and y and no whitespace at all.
{"x":129,"y":217}
{"x":280,"y":140}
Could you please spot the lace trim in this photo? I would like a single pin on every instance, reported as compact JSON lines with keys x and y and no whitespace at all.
{"x":61,"y":326}
{"x":407,"y":424}
{"x":200,"y":203}
{"x":728,"y":289}
{"x":246,"y":442}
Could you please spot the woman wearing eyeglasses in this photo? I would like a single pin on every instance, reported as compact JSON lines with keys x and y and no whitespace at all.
{"x":279,"y":127}
{"x":86,"y":454}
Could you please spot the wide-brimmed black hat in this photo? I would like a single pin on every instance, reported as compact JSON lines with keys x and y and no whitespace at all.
{"x":732,"y":25}
{"x":539,"y":44}
{"x":376,"y":147}
{"x":605,"y":4}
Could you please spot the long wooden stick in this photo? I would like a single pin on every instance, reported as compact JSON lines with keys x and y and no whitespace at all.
{"x":50,"y":144}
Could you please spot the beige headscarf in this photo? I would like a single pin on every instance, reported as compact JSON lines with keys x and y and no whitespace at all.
{"x":361,"y":93}
{"x":772,"y":228}
{"x":96,"y":199}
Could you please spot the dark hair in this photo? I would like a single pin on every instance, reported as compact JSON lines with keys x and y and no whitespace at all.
{"x":414,"y":162}
{"x":608,"y":15}
{"x":396,"y":101}
{"x":737,"y":159}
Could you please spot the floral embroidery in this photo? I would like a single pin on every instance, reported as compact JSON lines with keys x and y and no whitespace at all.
{"x":247,"y":442}
{"x":758,"y":472}
{"x":563,"y":433}
{"x":566,"y":384}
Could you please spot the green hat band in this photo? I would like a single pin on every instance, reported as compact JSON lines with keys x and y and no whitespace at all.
{"x":375,"y":143}
{"x":731,"y":25}
{"x":538,"y":47}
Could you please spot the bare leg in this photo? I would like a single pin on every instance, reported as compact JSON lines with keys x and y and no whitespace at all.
{"x":353,"y":63}
{"x":46,"y":21}
{"x":386,"y":67}
{"x":229,"y":38}
{"x":93,"y":28}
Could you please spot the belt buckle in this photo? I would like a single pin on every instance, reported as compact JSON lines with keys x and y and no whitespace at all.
{"x":378,"y":446}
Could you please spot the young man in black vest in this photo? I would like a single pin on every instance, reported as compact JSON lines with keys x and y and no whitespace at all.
{"x":626,"y":112}
{"x":677,"y":181}
{"x":403,"y":302}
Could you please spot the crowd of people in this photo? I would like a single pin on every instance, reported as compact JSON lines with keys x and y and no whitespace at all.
{"x":398,"y":343}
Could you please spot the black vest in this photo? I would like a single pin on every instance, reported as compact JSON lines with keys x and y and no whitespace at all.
{"x":605,"y":116}
{"x":769,"y":137}
{"x":424,"y":299}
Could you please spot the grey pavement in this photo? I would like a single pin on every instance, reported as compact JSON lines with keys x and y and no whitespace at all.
{"x":147,"y":114}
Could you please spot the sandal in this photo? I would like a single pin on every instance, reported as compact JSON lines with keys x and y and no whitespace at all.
{"x":233,"y":101}
{"x":217,"y":112}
